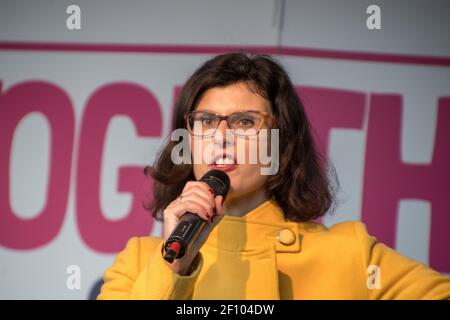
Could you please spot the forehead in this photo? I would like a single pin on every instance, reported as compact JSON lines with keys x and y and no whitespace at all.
{"x":233,"y":98}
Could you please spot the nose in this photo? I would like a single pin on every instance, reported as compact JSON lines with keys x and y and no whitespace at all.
{"x":222,"y":127}
{"x":220,"y":137}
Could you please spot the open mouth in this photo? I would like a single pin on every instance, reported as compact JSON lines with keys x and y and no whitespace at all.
{"x":224,"y":162}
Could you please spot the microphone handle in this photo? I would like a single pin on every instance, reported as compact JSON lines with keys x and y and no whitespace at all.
{"x":185,"y":234}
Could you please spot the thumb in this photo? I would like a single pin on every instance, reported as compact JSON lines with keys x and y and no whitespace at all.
{"x":219,"y":205}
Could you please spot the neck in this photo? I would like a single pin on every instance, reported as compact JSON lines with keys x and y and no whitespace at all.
{"x":239,"y":206}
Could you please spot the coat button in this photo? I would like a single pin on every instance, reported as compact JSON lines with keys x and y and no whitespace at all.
{"x":286,"y":236}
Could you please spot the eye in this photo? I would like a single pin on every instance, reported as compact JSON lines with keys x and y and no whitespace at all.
{"x":207,"y":120}
{"x":246,"y":122}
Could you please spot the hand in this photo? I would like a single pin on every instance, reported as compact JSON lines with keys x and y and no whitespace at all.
{"x":196,"y":197}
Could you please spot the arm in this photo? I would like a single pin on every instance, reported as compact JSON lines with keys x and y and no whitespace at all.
{"x":401,"y":277}
{"x":131,"y":278}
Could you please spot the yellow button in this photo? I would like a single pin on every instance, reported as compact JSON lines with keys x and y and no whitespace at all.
{"x":286,"y":236}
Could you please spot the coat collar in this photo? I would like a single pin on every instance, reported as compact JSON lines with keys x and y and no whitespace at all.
{"x":261,"y":227}
{"x":242,"y":255}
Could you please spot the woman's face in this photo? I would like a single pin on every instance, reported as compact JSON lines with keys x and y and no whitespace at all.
{"x":245,"y":178}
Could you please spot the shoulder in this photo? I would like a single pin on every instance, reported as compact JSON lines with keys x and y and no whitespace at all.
{"x":119,"y":279}
{"x":139,"y":249}
{"x":349,"y":230}
{"x":346,"y":239}
{"x":137,"y":244}
{"x":142,"y":243}
{"x":147,"y":243}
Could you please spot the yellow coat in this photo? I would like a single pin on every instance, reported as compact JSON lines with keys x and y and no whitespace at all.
{"x":262,"y":256}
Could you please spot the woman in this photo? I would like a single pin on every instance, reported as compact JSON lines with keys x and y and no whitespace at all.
{"x":262,"y":242}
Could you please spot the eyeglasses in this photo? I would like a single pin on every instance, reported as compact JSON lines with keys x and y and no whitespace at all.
{"x":246,"y":123}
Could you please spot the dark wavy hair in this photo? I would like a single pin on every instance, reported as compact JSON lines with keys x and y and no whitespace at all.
{"x":302,"y":187}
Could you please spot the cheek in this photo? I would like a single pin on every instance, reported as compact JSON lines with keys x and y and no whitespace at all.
{"x":248,"y":177}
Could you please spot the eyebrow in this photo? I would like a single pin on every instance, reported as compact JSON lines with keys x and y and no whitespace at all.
{"x":213,"y":112}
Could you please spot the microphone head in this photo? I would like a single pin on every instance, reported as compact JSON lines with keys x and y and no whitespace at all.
{"x":218,"y":181}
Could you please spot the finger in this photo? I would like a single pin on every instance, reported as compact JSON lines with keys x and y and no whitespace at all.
{"x":202,"y":193}
{"x":219,"y":206}
{"x":175,"y":202}
{"x":208,"y":205}
{"x":191,"y":184}
{"x":186,"y":206}
{"x":196,"y":207}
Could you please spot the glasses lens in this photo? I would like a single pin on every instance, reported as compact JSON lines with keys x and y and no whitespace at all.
{"x":246,"y":123}
{"x":202,"y":123}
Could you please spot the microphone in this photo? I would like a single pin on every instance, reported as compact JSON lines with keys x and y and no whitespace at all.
{"x":191,"y":224}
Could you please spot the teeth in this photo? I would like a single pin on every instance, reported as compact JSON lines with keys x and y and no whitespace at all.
{"x":224,"y":161}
